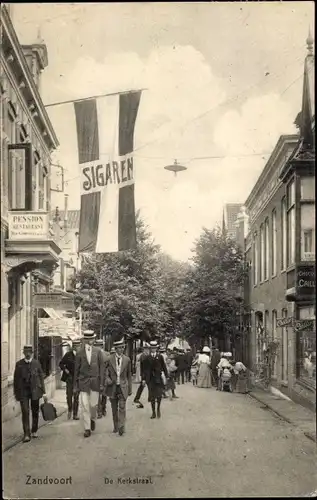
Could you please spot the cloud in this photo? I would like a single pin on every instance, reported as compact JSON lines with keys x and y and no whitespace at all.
{"x":181,"y":86}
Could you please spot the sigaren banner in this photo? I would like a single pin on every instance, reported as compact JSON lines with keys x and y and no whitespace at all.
{"x":105,"y":136}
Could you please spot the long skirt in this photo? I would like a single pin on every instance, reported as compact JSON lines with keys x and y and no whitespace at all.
{"x":204,"y":376}
{"x":170,"y":384}
{"x":155,"y":390}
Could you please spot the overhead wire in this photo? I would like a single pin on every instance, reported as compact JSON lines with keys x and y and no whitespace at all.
{"x":232,"y":99}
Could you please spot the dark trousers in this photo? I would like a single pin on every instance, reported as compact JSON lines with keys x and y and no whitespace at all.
{"x":139,"y":392}
{"x":25,"y":411}
{"x":71,"y":398}
{"x":180,"y":376}
{"x":188,"y":375}
{"x":102,"y":403}
{"x":118,"y":406}
{"x":214,"y":373}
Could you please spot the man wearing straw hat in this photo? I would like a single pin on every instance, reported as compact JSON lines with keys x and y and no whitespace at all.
{"x":89,"y":379}
{"x":119,"y":385}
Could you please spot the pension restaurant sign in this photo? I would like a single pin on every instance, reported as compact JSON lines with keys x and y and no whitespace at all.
{"x":28,"y":225}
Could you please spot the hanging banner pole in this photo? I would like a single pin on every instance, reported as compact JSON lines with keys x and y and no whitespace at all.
{"x":92,"y":97}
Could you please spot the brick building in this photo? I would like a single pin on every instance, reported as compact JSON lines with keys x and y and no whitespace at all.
{"x":29,"y":251}
{"x":280,"y":252}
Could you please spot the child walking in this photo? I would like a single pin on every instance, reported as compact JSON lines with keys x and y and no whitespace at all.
{"x":194,"y":371}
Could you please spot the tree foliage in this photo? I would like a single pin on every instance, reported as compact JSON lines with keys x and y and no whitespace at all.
{"x":211,"y":298}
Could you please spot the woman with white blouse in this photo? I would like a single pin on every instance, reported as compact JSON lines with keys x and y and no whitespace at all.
{"x":204,"y":373}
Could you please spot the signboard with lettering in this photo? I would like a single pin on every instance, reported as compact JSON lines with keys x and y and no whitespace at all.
{"x":305,"y":281}
{"x":54,"y":300}
{"x":63,"y":327}
{"x":304,"y":324}
{"x":280,"y":323}
{"x":28,"y":225}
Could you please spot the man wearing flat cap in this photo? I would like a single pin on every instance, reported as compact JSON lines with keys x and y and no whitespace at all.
{"x":119,"y":385}
{"x":29,"y":388}
{"x":67,"y":365}
{"x":89,"y":379}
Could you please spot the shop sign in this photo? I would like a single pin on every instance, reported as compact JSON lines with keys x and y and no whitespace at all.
{"x":58,"y":327}
{"x":305,"y":281}
{"x":54,"y":300}
{"x":304,"y":324}
{"x":28,"y":225}
{"x":280,"y":323}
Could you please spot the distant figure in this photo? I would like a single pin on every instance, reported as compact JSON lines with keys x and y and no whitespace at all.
{"x":138,"y":365}
{"x":67,"y":365}
{"x":29,"y":388}
{"x":194,"y":370}
{"x":215,"y":359}
{"x":144,"y":368}
{"x":204,"y":376}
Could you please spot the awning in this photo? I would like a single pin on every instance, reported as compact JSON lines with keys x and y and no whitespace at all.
{"x":51,"y":313}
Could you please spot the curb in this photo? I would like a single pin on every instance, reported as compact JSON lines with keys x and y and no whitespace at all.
{"x":308,"y":435}
{"x":19,"y":439}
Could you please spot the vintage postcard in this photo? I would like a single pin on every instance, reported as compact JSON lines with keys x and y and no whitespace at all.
{"x":158,"y":297}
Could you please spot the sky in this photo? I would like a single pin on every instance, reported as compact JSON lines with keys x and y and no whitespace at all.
{"x":224,"y":81}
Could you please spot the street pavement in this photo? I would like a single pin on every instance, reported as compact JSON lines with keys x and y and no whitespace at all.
{"x":207,"y":444}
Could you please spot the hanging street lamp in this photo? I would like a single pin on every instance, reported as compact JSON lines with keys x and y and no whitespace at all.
{"x":176,"y":167}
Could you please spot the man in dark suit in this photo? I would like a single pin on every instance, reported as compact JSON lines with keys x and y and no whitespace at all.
{"x":67,"y":365}
{"x":102,"y":402}
{"x":29,"y":387}
{"x":89,"y":379}
{"x":118,"y":383}
{"x":181,"y":366}
{"x":155,"y":381}
{"x":215,"y":359}
{"x":144,"y":367}
{"x":189,"y":360}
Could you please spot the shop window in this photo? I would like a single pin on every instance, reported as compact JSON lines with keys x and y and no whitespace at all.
{"x":274,"y":339}
{"x":291,"y":223}
{"x":274,"y":244}
{"x":307,"y":347}
{"x":284,"y":349}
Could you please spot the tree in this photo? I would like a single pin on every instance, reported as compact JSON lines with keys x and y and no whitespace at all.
{"x":210,"y":304}
{"x":122,"y":292}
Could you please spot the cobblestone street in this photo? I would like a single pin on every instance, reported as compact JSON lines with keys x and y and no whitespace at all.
{"x":207,"y":444}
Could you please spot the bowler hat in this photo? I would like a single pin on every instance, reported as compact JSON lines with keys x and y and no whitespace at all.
{"x":89,"y":334}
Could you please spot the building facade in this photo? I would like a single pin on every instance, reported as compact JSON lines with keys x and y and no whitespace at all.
{"x":280,"y":252}
{"x":29,"y":250}
{"x":230,"y":216}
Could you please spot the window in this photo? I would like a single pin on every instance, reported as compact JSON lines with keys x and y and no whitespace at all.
{"x":283,"y":234}
{"x":274,"y":245}
{"x":306,"y":355}
{"x":255,"y":259}
{"x":291,"y":223}
{"x":267,"y":250}
{"x":262,"y":252}
{"x":307,"y":188}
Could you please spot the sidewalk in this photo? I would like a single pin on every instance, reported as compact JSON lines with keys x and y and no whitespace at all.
{"x":12,"y":432}
{"x":293,"y":413}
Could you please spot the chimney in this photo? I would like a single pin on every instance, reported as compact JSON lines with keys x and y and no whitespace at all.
{"x":65,"y":211}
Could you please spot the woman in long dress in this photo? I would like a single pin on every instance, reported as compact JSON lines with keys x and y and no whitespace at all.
{"x":138,"y":366}
{"x":204,"y":372}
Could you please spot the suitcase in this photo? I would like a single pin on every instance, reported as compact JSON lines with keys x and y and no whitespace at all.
{"x":48,"y":412}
